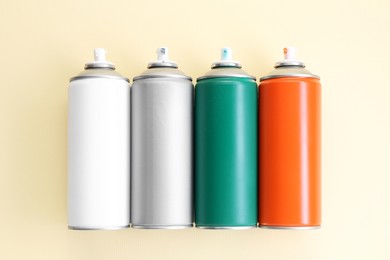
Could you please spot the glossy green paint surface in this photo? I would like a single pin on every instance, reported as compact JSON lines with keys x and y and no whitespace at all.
{"x":226,"y":152}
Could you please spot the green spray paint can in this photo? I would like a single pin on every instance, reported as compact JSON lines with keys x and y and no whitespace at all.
{"x":226,"y":147}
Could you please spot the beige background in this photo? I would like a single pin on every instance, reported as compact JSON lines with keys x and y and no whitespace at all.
{"x":45,"y":42}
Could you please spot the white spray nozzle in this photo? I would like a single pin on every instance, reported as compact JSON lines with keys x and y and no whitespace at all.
{"x":226,"y":59}
{"x":226,"y":54}
{"x":290,"y":53}
{"x":99,"y":60}
{"x":162,"y":54}
{"x":162,"y":59}
{"x":289,"y":59}
{"x":100,"y":54}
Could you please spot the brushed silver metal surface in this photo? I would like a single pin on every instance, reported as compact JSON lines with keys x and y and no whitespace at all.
{"x":162,"y":72}
{"x":162,"y":152}
{"x":161,"y":227}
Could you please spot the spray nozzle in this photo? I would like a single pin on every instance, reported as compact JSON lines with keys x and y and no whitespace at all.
{"x":290,"y":53}
{"x":162,"y":54}
{"x":162,"y":59}
{"x":99,"y":60}
{"x":226,"y":54}
{"x":100,"y":54}
{"x":289,"y":58}
{"x":226,"y":59}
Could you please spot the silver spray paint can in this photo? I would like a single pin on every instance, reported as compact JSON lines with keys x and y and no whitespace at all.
{"x":99,"y":147}
{"x":162,"y":146}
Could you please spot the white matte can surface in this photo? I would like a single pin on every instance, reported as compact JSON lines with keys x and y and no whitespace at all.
{"x":99,"y":154}
{"x":162,"y":153}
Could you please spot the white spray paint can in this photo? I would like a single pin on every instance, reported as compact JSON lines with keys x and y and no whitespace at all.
{"x":99,"y":147}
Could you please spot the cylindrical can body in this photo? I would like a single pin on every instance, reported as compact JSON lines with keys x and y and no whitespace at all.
{"x":162,"y":152}
{"x":99,"y":153}
{"x":290,"y":146}
{"x":225,"y":151}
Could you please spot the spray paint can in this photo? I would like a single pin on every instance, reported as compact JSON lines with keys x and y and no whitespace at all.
{"x":290,"y":146}
{"x":162,"y":146}
{"x":226,"y":147}
{"x":99,"y":147}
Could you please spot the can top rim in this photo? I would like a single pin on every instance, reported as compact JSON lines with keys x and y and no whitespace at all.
{"x":162,"y":72}
{"x":219,"y":64}
{"x":99,"y":72}
{"x":284,"y":71}
{"x":162,"y":64}
{"x":226,"y":72}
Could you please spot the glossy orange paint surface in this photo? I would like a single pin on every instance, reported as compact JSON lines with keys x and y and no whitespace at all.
{"x":290,"y":152}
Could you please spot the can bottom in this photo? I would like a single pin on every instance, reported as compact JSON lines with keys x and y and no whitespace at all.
{"x":98,"y":228}
{"x":226,"y":227}
{"x":161,"y":226}
{"x":290,"y":227}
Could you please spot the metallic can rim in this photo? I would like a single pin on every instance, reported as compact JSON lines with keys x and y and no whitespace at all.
{"x":287,"y":63}
{"x":226,"y":64}
{"x":290,"y":227}
{"x":161,"y":76}
{"x":162,"y":226}
{"x":164,"y":64}
{"x":98,"y":228}
{"x":226,"y":76}
{"x":226,"y":227}
{"x":99,"y":66}
{"x":290,"y":75}
{"x":98,"y":76}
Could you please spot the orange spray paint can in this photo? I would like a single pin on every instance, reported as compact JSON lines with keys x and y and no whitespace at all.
{"x":290,"y":146}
